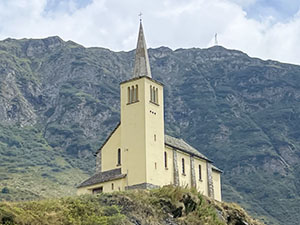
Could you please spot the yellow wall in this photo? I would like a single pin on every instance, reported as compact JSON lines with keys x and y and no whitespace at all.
{"x":155,"y":137}
{"x":133,"y":134}
{"x":142,"y":134}
{"x":184,"y":179}
{"x":202,"y":185}
{"x":109,"y":152}
{"x":217,"y":185}
{"x":168,"y":173}
{"x":119,"y":185}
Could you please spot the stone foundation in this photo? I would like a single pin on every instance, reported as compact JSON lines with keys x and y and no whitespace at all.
{"x":142,"y":186}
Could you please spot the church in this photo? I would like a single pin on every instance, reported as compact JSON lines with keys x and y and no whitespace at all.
{"x":138,"y":154}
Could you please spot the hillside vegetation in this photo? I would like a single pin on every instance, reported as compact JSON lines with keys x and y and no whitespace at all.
{"x":167,"y":205}
{"x":59,"y":101}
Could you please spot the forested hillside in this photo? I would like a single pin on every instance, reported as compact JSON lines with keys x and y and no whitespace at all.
{"x":59,"y":101}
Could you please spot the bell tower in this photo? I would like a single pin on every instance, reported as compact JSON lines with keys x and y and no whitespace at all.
{"x":142,"y":123}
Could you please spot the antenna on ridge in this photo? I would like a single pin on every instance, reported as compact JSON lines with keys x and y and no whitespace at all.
{"x":216,"y":39}
{"x":140,"y":15}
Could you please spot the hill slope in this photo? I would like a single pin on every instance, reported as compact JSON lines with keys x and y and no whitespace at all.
{"x":168,"y":205}
{"x":59,"y":101}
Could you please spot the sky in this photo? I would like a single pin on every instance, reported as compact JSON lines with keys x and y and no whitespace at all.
{"x":268,"y":29}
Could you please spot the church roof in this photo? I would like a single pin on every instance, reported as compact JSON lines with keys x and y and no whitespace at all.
{"x":103,"y":177}
{"x":216,"y":168}
{"x":141,"y":65}
{"x":183,"y":146}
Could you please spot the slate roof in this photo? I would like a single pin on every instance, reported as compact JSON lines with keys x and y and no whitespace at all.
{"x":103,"y":177}
{"x":216,"y":168}
{"x":141,"y":65}
{"x":183,"y":146}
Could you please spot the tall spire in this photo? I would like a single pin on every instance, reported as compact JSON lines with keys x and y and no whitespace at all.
{"x":141,"y":65}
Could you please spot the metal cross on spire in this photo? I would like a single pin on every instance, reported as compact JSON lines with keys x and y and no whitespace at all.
{"x":140,"y":15}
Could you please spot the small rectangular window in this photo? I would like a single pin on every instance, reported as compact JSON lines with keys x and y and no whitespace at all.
{"x":119,"y":157}
{"x":166,"y":160}
{"x":200,"y":175}
{"x":183,"y":166}
{"x":97,"y":190}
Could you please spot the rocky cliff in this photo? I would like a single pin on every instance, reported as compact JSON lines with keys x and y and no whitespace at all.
{"x":59,"y":101}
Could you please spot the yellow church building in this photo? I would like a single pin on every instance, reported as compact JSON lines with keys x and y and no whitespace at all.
{"x":138,"y":153}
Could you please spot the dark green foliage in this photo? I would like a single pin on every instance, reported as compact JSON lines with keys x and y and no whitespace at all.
{"x":5,"y":190}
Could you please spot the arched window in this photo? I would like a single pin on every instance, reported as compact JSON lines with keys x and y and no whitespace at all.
{"x":183,"y":166}
{"x":156,"y":97}
{"x":132,"y":94}
{"x":112,"y":186}
{"x":136,"y":93}
{"x":151,"y":94}
{"x":166,"y":160}
{"x":200,"y":175}
{"x":119,"y":157}
{"x":129,"y":98}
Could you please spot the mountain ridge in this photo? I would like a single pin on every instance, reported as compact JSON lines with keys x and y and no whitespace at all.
{"x":60,"y":100}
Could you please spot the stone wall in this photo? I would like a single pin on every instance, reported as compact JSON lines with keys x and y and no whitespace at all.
{"x":175,"y":166}
{"x":193,"y":175}
{"x":210,"y":180}
{"x":142,"y":186}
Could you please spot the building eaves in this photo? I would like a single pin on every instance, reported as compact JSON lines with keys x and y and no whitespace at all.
{"x":183,"y":146}
{"x":103,"y":177}
{"x":217,"y":169}
{"x":136,"y":78}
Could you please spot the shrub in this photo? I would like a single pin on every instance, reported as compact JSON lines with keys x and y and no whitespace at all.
{"x":5,"y":190}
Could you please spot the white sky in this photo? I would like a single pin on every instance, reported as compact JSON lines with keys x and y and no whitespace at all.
{"x":269,"y":29}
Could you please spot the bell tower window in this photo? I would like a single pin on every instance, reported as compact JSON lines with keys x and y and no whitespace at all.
{"x":153,"y":94}
{"x":128,"y":94}
{"x":132,"y":94}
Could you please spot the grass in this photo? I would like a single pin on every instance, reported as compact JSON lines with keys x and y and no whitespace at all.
{"x":173,"y":204}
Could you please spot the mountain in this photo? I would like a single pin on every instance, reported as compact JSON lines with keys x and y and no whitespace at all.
{"x":59,"y":101}
{"x":164,"y":206}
